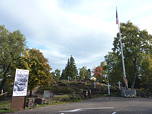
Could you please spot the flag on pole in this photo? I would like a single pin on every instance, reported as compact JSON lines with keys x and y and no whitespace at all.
{"x":117,"y":20}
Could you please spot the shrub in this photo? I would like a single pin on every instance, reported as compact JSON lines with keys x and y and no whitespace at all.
{"x":61,"y":90}
{"x":144,"y":92}
{"x":75,"y":97}
{"x":61,"y":98}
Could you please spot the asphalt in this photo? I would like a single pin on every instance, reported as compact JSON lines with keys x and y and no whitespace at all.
{"x":103,"y":105}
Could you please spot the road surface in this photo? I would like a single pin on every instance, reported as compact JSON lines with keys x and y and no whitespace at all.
{"x":103,"y":105}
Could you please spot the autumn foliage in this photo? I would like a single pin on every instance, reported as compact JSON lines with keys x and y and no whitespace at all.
{"x":98,"y":71}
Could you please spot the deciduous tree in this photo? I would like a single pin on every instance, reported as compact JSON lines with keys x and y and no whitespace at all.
{"x":11,"y":47}
{"x":37,"y":64}
{"x":84,"y":73}
{"x":136,"y":42}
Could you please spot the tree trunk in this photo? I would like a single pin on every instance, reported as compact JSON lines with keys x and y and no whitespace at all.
{"x":134,"y":82}
{"x":2,"y":84}
{"x":30,"y":93}
{"x":135,"y":74}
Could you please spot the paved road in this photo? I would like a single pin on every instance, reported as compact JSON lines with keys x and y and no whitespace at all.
{"x":103,"y":105}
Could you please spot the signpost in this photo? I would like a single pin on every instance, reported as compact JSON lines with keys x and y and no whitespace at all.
{"x":20,"y":89}
{"x":119,"y":85}
{"x":108,"y":88}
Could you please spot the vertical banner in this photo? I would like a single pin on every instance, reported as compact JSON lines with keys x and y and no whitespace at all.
{"x":21,"y":82}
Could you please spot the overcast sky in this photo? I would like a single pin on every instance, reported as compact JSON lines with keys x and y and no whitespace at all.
{"x":84,"y":29}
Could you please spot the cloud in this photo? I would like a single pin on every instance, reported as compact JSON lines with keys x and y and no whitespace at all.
{"x":61,"y":28}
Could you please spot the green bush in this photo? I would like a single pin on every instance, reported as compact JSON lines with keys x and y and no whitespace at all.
{"x":61,"y":98}
{"x":144,"y":92}
{"x":76,"y":89}
{"x":61,"y":90}
{"x":75,"y":97}
{"x":115,"y":91}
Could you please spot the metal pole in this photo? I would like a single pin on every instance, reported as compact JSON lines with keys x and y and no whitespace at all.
{"x":122,"y":56}
{"x":68,"y":78}
{"x":108,"y":88}
{"x":119,"y":85}
{"x":108,"y":85}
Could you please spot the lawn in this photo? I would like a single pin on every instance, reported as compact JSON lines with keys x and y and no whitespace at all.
{"x":5,"y":106}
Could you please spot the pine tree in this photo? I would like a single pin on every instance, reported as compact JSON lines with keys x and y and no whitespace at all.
{"x":72,"y":69}
{"x":70,"y":72}
{"x":63,"y":75}
{"x":89,"y":73}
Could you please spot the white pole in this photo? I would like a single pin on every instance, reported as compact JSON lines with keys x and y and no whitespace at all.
{"x":119,"y":85}
{"x":108,"y":89}
{"x":68,"y":78}
{"x":122,"y":56}
{"x":2,"y":91}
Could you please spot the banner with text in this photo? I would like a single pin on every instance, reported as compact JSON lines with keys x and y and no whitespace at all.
{"x":21,"y":82}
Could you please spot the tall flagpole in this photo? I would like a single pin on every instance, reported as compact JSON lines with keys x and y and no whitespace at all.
{"x":121,"y":48}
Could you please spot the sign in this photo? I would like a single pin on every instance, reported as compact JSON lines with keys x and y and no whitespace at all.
{"x":47,"y":94}
{"x":21,"y":82}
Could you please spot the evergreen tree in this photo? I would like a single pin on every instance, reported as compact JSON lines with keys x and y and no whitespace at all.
{"x":70,"y":72}
{"x":63,"y":74}
{"x":89,"y":73}
{"x":72,"y":69}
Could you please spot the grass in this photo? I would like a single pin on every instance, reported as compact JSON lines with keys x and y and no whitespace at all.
{"x":57,"y":99}
{"x":5,"y":106}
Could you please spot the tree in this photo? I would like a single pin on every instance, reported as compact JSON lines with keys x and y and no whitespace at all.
{"x":89,"y":73}
{"x":37,"y":64}
{"x":84,"y":73}
{"x":63,"y":75}
{"x":70,"y":71}
{"x":135,"y":43}
{"x":146,"y":72}
{"x":65,"y":72}
{"x":11,"y":47}
{"x":56,"y":74}
{"x":97,"y":72}
{"x":114,"y":70}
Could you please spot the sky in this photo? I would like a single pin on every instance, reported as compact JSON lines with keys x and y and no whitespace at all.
{"x":84,"y":29}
